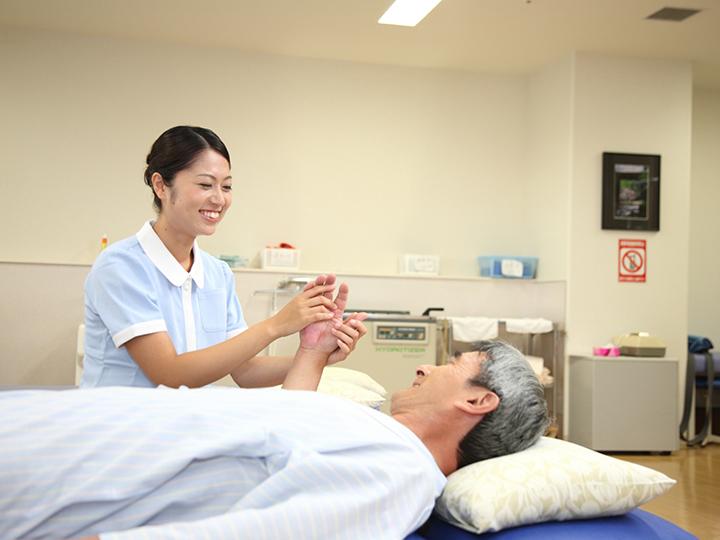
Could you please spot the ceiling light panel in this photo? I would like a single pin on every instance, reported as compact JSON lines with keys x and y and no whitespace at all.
{"x":407,"y":12}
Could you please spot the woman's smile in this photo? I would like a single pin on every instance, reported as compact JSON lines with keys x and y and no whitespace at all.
{"x":211,"y":215}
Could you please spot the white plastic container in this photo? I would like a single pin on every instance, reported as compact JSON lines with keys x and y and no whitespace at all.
{"x":423,"y":265}
{"x":280,"y":259}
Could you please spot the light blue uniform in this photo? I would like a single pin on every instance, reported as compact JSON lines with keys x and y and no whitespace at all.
{"x":216,"y":463}
{"x":136,"y":287}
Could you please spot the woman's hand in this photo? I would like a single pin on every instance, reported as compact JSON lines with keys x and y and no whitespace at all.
{"x":312,"y":305}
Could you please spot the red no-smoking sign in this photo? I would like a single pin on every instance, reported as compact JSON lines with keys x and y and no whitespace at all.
{"x":632,"y":260}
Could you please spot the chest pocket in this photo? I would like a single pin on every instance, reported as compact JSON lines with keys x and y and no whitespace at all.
{"x":213,"y":310}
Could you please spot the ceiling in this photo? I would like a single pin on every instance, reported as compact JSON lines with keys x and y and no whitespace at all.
{"x":498,"y":36}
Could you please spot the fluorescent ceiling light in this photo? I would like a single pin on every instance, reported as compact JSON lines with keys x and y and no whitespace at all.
{"x":407,"y":12}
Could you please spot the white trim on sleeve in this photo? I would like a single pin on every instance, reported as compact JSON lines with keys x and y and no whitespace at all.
{"x":139,"y":329}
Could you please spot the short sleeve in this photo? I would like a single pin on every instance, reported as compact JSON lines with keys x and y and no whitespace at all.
{"x":235,"y":320}
{"x":121,"y":293}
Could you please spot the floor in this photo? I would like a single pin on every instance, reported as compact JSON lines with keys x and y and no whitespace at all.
{"x":694,"y":502}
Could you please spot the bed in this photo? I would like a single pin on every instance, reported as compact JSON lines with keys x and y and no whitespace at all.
{"x":635,"y":525}
{"x":553,"y":490}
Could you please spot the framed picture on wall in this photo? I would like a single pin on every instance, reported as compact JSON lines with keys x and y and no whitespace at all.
{"x":631,"y":192}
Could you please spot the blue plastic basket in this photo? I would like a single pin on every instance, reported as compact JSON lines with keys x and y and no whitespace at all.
{"x":495,"y":266}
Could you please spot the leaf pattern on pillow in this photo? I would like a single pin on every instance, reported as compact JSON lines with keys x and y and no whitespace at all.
{"x":553,"y":480}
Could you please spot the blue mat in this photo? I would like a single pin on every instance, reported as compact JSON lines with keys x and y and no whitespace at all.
{"x":635,"y":525}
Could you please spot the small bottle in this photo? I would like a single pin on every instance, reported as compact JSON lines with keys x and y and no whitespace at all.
{"x":103,"y":242}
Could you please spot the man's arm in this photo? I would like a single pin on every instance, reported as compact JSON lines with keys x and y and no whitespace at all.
{"x":324,"y":342}
{"x":383,"y":494}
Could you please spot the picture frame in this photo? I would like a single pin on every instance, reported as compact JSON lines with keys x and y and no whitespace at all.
{"x":631,"y":191}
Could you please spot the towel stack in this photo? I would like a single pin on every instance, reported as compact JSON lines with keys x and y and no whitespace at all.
{"x":469,"y":329}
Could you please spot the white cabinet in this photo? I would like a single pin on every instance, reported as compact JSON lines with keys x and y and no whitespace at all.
{"x":623,"y":403}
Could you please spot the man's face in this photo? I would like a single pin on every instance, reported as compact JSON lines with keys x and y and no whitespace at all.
{"x":438,"y":386}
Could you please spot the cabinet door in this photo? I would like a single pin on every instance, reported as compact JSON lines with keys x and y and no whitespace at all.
{"x":634,"y":405}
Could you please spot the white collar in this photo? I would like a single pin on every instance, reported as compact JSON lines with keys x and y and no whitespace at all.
{"x":164,"y":261}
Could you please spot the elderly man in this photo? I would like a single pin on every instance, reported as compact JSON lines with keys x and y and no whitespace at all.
{"x":227,"y":463}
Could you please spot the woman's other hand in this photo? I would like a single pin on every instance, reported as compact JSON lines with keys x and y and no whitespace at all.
{"x":313,"y":305}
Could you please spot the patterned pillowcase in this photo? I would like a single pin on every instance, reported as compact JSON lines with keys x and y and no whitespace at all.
{"x":553,"y":480}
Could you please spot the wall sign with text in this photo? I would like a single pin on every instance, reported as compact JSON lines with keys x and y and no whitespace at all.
{"x":632,"y":260}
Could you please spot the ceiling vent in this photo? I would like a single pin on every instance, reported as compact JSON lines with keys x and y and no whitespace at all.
{"x":673,"y":14}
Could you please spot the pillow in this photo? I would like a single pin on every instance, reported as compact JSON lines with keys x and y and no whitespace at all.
{"x":351,"y":391}
{"x":353,"y":385}
{"x":358,"y":378}
{"x":553,"y":480}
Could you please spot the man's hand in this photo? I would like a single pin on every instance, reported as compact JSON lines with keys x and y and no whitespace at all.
{"x":318,"y":336}
{"x":347,"y":336}
{"x":334,"y":337}
{"x":324,"y":342}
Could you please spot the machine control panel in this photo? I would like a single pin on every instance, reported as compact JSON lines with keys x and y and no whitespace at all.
{"x":401,"y":333}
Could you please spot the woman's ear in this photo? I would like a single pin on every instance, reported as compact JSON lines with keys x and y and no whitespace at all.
{"x":158,"y":185}
{"x":482,"y":402}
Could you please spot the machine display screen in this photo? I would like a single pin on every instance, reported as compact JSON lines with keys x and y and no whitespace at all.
{"x":401,"y":333}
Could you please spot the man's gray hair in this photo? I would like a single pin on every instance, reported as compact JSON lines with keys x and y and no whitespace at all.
{"x":521,"y":417}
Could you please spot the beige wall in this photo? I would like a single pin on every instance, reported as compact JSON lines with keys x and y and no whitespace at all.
{"x":549,"y":159}
{"x":704,"y":295}
{"x":640,"y":106}
{"x":353,"y":163}
{"x":637,"y":106}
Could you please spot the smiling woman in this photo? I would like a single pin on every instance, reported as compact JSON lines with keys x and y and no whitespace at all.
{"x":189,"y":169}
{"x":159,"y":310}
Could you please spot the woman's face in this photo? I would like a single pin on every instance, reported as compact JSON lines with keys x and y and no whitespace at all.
{"x":199,"y":196}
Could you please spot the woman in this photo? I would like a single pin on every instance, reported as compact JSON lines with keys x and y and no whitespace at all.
{"x":159,"y":310}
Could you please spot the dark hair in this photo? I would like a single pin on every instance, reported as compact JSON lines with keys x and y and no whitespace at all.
{"x":175,"y":150}
{"x":521,"y":417}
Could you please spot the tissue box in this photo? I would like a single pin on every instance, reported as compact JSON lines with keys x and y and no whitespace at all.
{"x":508,"y":267}
{"x":280,"y":259}
{"x":424,"y":265}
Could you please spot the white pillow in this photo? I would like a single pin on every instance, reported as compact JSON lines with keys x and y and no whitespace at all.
{"x":358,"y":378}
{"x":553,"y":480}
{"x":351,"y":391}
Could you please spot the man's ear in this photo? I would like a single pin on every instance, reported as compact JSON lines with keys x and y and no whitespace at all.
{"x":482,"y":402}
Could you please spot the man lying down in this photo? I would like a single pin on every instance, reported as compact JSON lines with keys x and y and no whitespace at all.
{"x":226,"y":463}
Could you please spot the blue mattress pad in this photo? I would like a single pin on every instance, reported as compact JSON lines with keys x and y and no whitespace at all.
{"x":635,"y":525}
